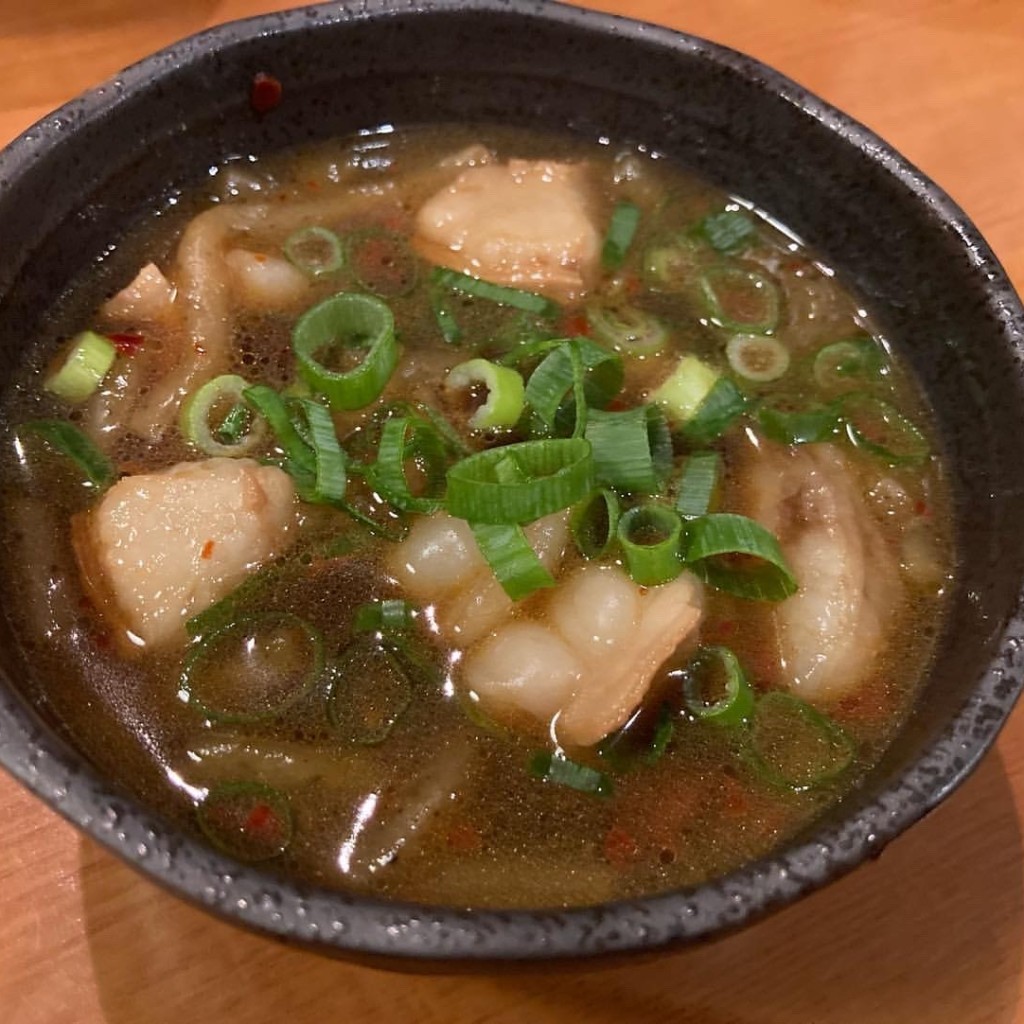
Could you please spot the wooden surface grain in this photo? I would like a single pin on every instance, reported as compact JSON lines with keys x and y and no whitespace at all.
{"x":932,"y":932}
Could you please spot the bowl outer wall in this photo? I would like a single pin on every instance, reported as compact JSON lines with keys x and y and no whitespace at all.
{"x":72,"y":182}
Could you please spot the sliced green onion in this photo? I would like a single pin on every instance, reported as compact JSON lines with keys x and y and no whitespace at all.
{"x":642,"y":740}
{"x":512,"y":560}
{"x":529,"y":302}
{"x":730,"y":231}
{"x":621,"y":229}
{"x":664,"y":730}
{"x":558,"y":769}
{"x":741,"y":299}
{"x":675,"y":265}
{"x":557,"y":374}
{"x":88,"y":361}
{"x":68,"y":440}
{"x":594,"y":523}
{"x":739,"y":556}
{"x":505,"y":392}
{"x":388,"y":616}
{"x":632,"y":449}
{"x":795,"y":745}
{"x":382,"y":262}
{"x":723,"y":404}
{"x":339,"y":326}
{"x":554,"y":474}
{"x":230,"y":607}
{"x":235,"y":424}
{"x":299,"y":459}
{"x":627,"y":329}
{"x":403,"y":438}
{"x":650,"y":536}
{"x":369,"y":693}
{"x":697,"y":484}
{"x":315,"y":251}
{"x":246,"y":820}
{"x":223,"y":395}
{"x":756,"y":357}
{"x":440,"y":303}
{"x":710,"y":668}
{"x":847,"y":364}
{"x":253,"y":668}
{"x":874,"y":426}
{"x":684,"y":390}
{"x":799,"y":426}
{"x":331,"y":461}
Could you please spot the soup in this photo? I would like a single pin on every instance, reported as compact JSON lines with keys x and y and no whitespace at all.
{"x":473,"y":517}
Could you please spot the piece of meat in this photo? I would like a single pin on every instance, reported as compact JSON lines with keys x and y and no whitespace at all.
{"x":524,"y":223}
{"x":147,"y":298}
{"x":161,"y":547}
{"x":831,"y":632}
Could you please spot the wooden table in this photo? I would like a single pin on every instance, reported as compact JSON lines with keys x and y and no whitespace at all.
{"x":932,"y":932}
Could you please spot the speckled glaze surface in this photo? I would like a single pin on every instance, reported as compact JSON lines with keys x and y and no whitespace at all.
{"x":72,"y":184}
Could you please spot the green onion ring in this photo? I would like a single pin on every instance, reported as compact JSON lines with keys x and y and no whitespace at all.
{"x":195,"y":417}
{"x":738,"y":703}
{"x":316,"y":251}
{"x":632,"y":448}
{"x":594,"y":523}
{"x":621,"y":228}
{"x":512,"y":559}
{"x":530,"y":302}
{"x":246,"y":820}
{"x":554,"y":474}
{"x":387,"y":474}
{"x":650,"y":536}
{"x":370,"y":691}
{"x":697,"y":484}
{"x":68,"y":440}
{"x":347,"y":320}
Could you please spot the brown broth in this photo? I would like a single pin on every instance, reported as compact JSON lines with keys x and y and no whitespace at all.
{"x":380,"y":817}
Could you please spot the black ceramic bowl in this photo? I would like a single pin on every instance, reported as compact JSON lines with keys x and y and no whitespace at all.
{"x":73,"y":183}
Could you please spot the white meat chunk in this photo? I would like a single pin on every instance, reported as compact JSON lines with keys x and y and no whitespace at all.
{"x":525,"y":223}
{"x":831,"y":632}
{"x":260,"y":281}
{"x":163,"y":546}
{"x":148,"y":298}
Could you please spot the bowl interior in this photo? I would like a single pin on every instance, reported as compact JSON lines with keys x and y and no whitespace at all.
{"x":79,"y":180}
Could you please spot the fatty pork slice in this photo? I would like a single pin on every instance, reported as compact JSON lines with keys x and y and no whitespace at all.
{"x":524,"y":223}
{"x":161,"y":547}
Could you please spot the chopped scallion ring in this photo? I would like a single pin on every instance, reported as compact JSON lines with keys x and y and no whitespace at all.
{"x":67,"y":439}
{"x":88,"y":361}
{"x":388,"y":616}
{"x":675,"y":265}
{"x":217,"y":400}
{"x":741,"y":298}
{"x":331,"y":460}
{"x":792,"y":744}
{"x":848,"y":364}
{"x":253,"y":668}
{"x":650,"y":536}
{"x":718,"y":667}
{"x":512,"y":560}
{"x":594,"y":523}
{"x":722,"y":405}
{"x":370,"y":692}
{"x":403,"y":438}
{"x":246,"y":820}
{"x":685,"y":388}
{"x":621,"y":229}
{"x":315,"y":251}
{"x":627,"y":329}
{"x":558,"y":769}
{"x":757,"y":357}
{"x":739,"y":556}
{"x":697,"y":484}
{"x":874,"y":426}
{"x":558,"y":373}
{"x":730,"y":231}
{"x":519,"y":483}
{"x":299,"y":458}
{"x":799,"y":426}
{"x":505,"y":392}
{"x":530,"y":302}
{"x":337,"y":329}
{"x":632,"y":449}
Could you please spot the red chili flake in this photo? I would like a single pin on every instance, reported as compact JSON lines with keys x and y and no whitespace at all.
{"x":207,"y":551}
{"x":620,"y":848}
{"x":574,"y":325}
{"x":127,"y":344}
{"x":617,"y":405}
{"x":921,"y":508}
{"x":259,"y":818}
{"x":265,"y":93}
{"x":464,"y":838}
{"x":633,"y":286}
{"x":314,"y":185}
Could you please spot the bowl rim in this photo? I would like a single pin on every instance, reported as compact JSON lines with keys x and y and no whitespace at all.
{"x":399,"y":933}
